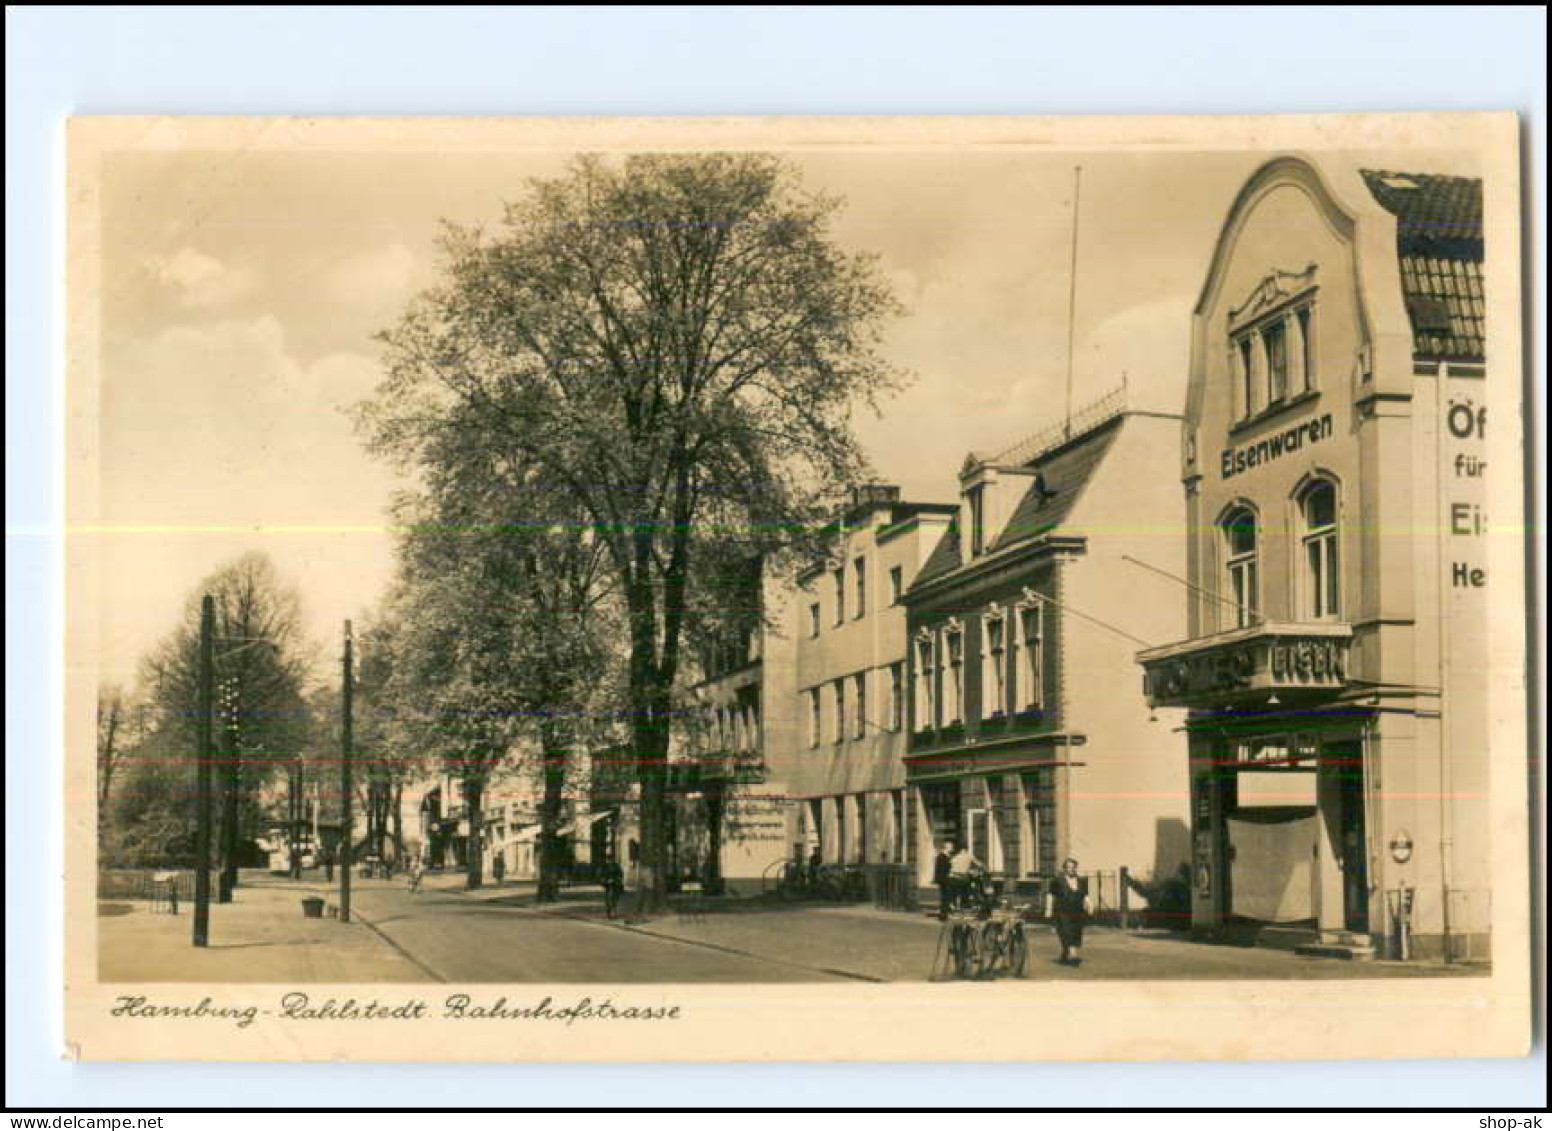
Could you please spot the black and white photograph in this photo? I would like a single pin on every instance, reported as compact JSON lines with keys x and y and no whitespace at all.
{"x":608,"y":571}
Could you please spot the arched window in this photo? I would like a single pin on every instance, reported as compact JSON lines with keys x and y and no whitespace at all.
{"x":1322,"y":578}
{"x":1243,"y":568}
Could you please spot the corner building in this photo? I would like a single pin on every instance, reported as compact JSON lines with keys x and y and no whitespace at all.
{"x":1334,"y":672}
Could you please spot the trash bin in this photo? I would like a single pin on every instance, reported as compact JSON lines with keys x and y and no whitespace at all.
{"x":312,"y":907}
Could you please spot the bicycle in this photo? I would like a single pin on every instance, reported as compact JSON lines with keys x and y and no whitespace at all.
{"x":1004,"y":943}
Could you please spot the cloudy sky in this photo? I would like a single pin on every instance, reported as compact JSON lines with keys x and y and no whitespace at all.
{"x":241,"y":290}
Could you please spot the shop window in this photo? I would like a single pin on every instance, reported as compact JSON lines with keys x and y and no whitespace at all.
{"x":1322,"y":575}
{"x":1037,"y":854}
{"x":1242,"y":566}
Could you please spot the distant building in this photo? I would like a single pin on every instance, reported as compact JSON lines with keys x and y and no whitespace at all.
{"x":1335,"y":665}
{"x":728,"y":792}
{"x":1029,"y":740}
{"x":844,"y":769}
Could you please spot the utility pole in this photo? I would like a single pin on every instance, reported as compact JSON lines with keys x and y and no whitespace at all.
{"x":207,"y":619}
{"x":345,"y":786}
{"x":232,"y":807}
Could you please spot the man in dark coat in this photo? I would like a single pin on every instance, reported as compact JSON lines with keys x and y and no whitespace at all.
{"x":942,"y":876}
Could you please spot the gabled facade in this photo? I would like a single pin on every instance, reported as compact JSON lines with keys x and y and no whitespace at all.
{"x":1028,"y":739}
{"x":1335,"y":662}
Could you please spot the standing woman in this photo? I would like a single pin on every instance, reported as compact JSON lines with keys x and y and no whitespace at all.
{"x":1067,"y":901}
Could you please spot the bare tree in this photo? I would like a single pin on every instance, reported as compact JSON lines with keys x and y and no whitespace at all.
{"x":676,"y":345}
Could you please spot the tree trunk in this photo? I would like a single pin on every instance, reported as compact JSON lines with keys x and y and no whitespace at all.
{"x":549,"y":823}
{"x":473,"y":793}
{"x":396,"y":815}
{"x":651,"y":754}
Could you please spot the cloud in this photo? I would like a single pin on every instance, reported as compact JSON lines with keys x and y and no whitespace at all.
{"x":374,"y":285}
{"x":211,"y":430}
{"x":200,"y":281}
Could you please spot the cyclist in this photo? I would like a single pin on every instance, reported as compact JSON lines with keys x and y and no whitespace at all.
{"x":962,"y":867}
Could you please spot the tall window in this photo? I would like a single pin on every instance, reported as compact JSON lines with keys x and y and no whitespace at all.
{"x":840,"y":709}
{"x":896,"y":695}
{"x":1306,"y":350}
{"x":813,"y":619}
{"x":1275,"y":342}
{"x":813,"y":717}
{"x":977,"y":499}
{"x":1239,"y":539}
{"x":1322,"y":577}
{"x":1031,"y":623}
{"x":838,"y":575}
{"x":860,"y":701}
{"x":860,"y":576}
{"x":1247,"y":375}
{"x":926,"y":707}
{"x":896,"y":585}
{"x":953,"y":674}
{"x":993,"y":697}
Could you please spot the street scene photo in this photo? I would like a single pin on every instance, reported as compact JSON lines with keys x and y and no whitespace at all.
{"x":791,"y":564}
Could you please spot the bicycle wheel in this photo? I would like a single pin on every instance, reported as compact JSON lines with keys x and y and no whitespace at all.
{"x":966,"y":951}
{"x":990,"y":946}
{"x":1017,"y":950}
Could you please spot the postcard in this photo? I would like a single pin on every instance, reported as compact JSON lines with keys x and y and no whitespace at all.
{"x":796,"y":589}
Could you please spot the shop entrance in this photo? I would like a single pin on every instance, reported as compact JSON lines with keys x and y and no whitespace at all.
{"x":1272,"y":837}
{"x":1344,"y":763}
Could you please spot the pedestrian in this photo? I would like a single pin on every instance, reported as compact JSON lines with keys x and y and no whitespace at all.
{"x":417,"y":873}
{"x":815,"y":865}
{"x":1067,"y":902}
{"x":614,"y":886}
{"x":498,"y":868}
{"x":942,"y":870}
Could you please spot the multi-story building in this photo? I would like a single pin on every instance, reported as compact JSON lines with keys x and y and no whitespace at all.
{"x":844,"y":772}
{"x":1029,"y":742}
{"x":1335,"y":666}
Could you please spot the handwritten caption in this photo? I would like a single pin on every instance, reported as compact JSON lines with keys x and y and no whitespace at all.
{"x":297,"y":1006}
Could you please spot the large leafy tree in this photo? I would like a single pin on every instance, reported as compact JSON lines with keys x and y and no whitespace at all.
{"x":501,"y":643}
{"x":676,"y":345}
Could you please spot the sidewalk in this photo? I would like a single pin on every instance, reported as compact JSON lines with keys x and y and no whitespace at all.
{"x":861,"y":941}
{"x":261,"y":936}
